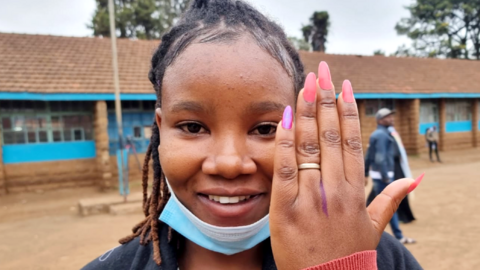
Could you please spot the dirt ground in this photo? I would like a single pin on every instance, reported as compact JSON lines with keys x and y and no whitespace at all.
{"x":44,"y":231}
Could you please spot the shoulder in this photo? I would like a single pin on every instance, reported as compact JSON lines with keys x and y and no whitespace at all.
{"x":131,"y":255}
{"x":391,"y":254}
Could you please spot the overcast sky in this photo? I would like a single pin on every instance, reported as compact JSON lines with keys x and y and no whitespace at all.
{"x":357,"y":26}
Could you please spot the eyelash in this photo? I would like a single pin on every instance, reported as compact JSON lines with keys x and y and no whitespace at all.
{"x":184,"y":127}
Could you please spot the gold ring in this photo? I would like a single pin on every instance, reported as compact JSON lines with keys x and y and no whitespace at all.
{"x":309,"y":166}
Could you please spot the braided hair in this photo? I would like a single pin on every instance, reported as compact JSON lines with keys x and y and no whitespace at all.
{"x":204,"y":21}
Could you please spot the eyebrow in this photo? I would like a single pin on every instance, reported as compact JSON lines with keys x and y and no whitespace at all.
{"x":265,"y":107}
{"x":188,"y":106}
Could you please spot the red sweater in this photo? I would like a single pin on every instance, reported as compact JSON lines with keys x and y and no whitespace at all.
{"x":366,"y":260}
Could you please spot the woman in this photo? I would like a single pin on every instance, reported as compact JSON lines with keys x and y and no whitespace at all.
{"x":237,"y":184}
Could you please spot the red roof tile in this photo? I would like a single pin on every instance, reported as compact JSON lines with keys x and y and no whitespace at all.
{"x":46,"y":64}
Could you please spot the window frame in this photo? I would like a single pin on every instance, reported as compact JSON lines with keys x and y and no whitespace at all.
{"x":48,"y":114}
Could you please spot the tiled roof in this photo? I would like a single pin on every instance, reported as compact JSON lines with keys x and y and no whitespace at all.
{"x":53,"y":64}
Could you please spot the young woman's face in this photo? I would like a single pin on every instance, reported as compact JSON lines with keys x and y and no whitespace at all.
{"x":221,"y":103}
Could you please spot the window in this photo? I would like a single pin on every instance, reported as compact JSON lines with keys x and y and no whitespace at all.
{"x":42,"y":122}
{"x":458,"y":110}
{"x":133,"y":105}
{"x":428,"y":111}
{"x":137,"y":132}
{"x":373,"y":105}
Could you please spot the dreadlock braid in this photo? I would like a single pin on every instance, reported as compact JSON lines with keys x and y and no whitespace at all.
{"x":205,"y":21}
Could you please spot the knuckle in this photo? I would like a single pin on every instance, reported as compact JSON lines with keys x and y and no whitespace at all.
{"x":331,"y":137}
{"x":353,"y":144}
{"x":286,"y":144}
{"x":307,"y":115}
{"x":327,"y":102}
{"x":287,"y":172}
{"x":309,"y":149}
{"x":350,"y":114}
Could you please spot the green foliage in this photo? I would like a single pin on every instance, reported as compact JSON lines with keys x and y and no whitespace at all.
{"x":442,"y":28}
{"x":316,"y":31}
{"x":299,"y":44}
{"x":143,"y":19}
{"x":379,"y":52}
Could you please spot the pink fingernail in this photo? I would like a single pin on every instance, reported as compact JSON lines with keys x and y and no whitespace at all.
{"x":347,"y":92}
{"x":324,"y":78}
{"x":416,"y":183}
{"x":287,"y":118}
{"x":310,"y":88}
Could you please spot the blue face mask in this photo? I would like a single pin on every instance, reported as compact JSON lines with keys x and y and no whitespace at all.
{"x":225,"y":240}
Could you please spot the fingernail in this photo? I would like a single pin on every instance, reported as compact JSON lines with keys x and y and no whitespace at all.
{"x":287,"y":118}
{"x":416,"y":183}
{"x":310,"y":88}
{"x":347,"y":92}
{"x":324,"y":78}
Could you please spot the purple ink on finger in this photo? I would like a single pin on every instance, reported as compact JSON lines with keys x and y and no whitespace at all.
{"x":324,"y":197}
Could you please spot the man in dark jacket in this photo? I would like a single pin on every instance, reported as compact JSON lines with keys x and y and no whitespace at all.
{"x":380,"y":165}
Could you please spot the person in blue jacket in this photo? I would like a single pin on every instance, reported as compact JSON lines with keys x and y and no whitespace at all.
{"x":380,"y":164}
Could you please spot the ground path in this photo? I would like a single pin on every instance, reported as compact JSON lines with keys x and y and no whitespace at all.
{"x":43,"y":231}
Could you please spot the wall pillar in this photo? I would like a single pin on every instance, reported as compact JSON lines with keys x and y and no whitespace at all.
{"x":3,"y":182}
{"x":414,"y":126}
{"x":475,"y":132}
{"x":361,"y":118}
{"x":442,"y":120}
{"x":101,"y":145}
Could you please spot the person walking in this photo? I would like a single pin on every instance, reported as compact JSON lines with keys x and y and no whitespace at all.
{"x":432,"y":139}
{"x":380,"y":162}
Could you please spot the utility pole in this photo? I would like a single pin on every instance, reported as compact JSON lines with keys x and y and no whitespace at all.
{"x":118,"y":104}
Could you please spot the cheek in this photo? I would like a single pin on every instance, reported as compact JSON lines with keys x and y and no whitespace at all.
{"x":179,"y":159}
{"x":262,"y":152}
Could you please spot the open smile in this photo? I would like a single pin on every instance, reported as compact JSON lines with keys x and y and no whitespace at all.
{"x":223,"y":206}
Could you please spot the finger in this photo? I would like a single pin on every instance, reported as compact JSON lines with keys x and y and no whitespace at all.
{"x":329,"y":129}
{"x":306,"y":139}
{"x":351,"y":137}
{"x":386,"y":203}
{"x":285,"y":184}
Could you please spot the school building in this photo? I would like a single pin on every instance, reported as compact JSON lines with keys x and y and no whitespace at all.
{"x":58,"y":125}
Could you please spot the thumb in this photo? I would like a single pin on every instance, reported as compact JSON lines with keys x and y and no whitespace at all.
{"x":386,"y":203}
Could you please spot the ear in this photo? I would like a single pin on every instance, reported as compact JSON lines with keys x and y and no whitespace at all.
{"x":158,"y":117}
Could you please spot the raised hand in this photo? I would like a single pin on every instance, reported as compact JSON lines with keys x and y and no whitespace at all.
{"x":317,"y":210}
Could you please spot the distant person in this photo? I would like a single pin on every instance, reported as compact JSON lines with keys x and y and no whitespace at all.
{"x":432,"y":139}
{"x":380,"y":164}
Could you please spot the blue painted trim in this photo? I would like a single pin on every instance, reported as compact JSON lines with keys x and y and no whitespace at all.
{"x":103,"y":96}
{"x":38,"y":152}
{"x":71,"y":96}
{"x":423,"y":127}
{"x":478,"y":125}
{"x":460,"y":126}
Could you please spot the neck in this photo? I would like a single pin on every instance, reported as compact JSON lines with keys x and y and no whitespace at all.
{"x":196,"y":257}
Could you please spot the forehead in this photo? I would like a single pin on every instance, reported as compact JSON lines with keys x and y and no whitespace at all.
{"x":216,"y":73}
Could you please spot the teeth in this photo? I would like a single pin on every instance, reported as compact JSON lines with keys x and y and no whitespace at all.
{"x":226,"y":200}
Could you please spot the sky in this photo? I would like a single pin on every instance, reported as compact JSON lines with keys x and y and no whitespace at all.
{"x":357,"y":26}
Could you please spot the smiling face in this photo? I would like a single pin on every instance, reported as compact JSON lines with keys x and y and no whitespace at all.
{"x":220,"y":107}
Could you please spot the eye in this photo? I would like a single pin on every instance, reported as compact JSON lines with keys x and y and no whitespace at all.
{"x":265,"y":129}
{"x":193,"y":128}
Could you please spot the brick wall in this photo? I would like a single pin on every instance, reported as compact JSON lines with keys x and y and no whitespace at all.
{"x":101,"y":145}
{"x":134,"y":171}
{"x":50,"y":175}
{"x":3,"y":187}
{"x":475,"y":119}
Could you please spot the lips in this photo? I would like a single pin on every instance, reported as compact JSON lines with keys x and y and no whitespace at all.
{"x":223,"y":205}
{"x":228,"y":199}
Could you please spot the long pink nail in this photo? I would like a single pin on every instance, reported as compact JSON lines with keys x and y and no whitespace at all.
{"x":324,"y":78}
{"x":310,"y":88}
{"x":287,"y":118}
{"x":347,"y":91}
{"x":416,"y":183}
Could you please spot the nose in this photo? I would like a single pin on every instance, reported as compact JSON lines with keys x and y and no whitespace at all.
{"x":229,"y":159}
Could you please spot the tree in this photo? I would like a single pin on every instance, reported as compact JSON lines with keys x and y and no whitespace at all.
{"x":299,"y":44}
{"x":379,"y":52}
{"x":316,"y":32}
{"x":143,"y":19}
{"x":442,"y":28}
